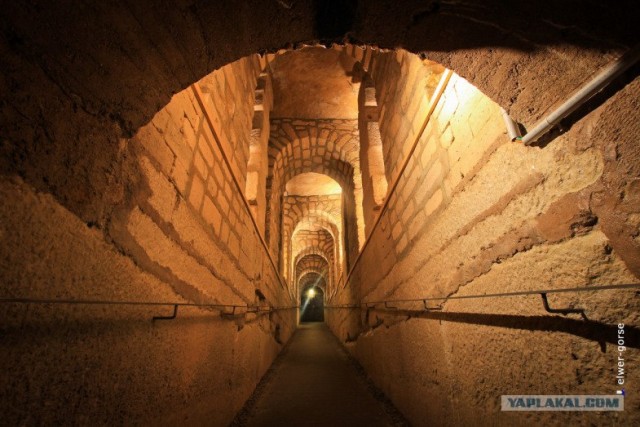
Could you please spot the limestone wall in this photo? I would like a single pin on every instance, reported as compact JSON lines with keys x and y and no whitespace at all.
{"x":80,"y":80}
{"x":188,"y":179}
{"x":230,"y":94}
{"x":403,"y":86}
{"x":476,"y":214}
{"x":182,"y":234}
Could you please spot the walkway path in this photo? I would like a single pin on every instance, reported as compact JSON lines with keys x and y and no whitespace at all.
{"x":315,"y":383}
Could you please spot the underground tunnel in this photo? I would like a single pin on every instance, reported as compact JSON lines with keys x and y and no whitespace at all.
{"x":319,"y":213}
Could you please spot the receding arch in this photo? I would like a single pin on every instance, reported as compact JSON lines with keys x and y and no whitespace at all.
{"x":312,"y":184}
{"x":316,"y":264}
{"x":310,"y":219}
{"x":81,"y":80}
{"x":318,"y":257}
{"x":313,"y":244}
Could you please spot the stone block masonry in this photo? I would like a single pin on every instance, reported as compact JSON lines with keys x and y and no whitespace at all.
{"x":472,"y":214}
{"x":327,"y":146}
{"x":195,"y":202}
{"x":183,"y":235}
{"x":81,"y":200}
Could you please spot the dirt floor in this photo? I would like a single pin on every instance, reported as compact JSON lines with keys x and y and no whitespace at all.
{"x":315,"y":382}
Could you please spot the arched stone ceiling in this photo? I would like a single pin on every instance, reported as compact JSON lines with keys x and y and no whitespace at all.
{"x":312,"y":184}
{"x":311,"y":279}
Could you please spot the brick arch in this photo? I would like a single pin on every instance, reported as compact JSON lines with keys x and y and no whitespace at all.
{"x":348,"y":205}
{"x":293,"y":143}
{"x":314,"y":252}
{"x":133,"y":78}
{"x":321,"y":240}
{"x":313,"y":263}
{"x":311,"y":279}
{"x":328,"y":147}
{"x":336,"y":169}
{"x":296,"y":150}
{"x":324,"y":273}
{"x":325,"y":210}
{"x":305,"y":230}
{"x":287,"y":166}
{"x":310,"y":216}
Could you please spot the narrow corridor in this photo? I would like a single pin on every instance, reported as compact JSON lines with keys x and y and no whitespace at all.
{"x":309,"y":384}
{"x":451,"y":190}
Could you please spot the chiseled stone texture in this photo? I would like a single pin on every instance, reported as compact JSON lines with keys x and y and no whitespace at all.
{"x":472,"y":214}
{"x":184,"y":234}
{"x":79,"y":81}
{"x":192,"y":206}
{"x":105,"y":365}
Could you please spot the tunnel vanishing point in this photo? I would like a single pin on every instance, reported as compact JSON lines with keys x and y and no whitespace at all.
{"x":181,"y":181}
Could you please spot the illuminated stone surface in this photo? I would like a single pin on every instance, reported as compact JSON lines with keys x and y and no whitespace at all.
{"x":117,"y":118}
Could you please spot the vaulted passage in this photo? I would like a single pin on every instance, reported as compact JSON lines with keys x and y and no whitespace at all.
{"x":414,"y":210}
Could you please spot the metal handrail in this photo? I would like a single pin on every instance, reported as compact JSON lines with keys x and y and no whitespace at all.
{"x":233,"y":307}
{"x":372,"y":304}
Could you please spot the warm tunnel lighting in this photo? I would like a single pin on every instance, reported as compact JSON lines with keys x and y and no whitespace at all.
{"x":373,"y":179}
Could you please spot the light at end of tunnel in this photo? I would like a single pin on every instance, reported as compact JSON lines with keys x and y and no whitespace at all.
{"x":311,"y":293}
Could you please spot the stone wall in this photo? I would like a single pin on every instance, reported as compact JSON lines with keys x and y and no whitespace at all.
{"x":403,"y":85}
{"x":231,"y":95}
{"x":81,"y":79}
{"x":184,"y":234}
{"x":476,"y":214}
{"x":323,"y":146}
{"x":101,"y":73}
{"x":374,"y":177}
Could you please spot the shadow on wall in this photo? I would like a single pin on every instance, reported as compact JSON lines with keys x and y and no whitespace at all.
{"x":87,"y":325}
{"x":588,"y":329}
